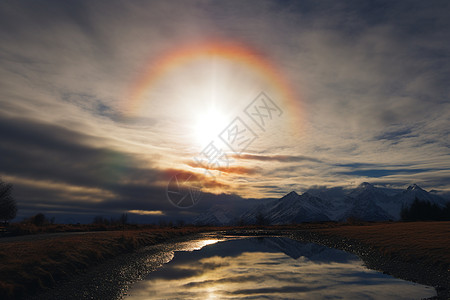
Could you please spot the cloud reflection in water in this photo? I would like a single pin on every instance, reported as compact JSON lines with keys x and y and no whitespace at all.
{"x":275,"y":268}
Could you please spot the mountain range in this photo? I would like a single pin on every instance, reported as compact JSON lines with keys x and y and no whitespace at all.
{"x":365,"y":202}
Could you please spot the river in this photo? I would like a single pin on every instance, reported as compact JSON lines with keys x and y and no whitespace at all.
{"x":233,"y":267}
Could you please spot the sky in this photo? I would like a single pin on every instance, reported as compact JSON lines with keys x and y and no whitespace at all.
{"x":105,"y":104}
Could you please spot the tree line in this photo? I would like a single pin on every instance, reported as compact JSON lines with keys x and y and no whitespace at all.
{"x":425,"y":211}
{"x":8,"y":207}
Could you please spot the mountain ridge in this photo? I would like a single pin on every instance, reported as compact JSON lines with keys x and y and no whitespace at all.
{"x":365,"y":202}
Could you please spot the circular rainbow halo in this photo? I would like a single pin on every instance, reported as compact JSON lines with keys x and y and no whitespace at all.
{"x":196,"y":90}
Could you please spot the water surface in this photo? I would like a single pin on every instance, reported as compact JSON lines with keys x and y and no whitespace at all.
{"x":270,"y":268}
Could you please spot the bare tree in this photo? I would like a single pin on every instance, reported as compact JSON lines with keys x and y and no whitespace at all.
{"x":124,"y":219}
{"x":8,"y":207}
{"x":39,"y":219}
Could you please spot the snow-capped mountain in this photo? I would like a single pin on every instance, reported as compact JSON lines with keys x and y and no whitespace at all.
{"x":292,"y":208}
{"x":365,"y":202}
{"x":216,"y":215}
{"x":407,"y":197}
{"x":414,"y":191}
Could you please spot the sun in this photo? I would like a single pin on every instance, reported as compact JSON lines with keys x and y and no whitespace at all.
{"x":210,"y":123}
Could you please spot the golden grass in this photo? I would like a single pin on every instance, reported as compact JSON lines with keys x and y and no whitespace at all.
{"x":410,"y":241}
{"x":34,"y":265}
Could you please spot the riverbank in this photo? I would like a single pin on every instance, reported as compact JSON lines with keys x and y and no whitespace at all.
{"x":418,"y":252}
{"x":103,"y":264}
{"x":31,"y":265}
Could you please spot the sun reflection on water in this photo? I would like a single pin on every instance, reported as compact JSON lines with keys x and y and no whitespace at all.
{"x":270,"y":267}
{"x":200,"y":244}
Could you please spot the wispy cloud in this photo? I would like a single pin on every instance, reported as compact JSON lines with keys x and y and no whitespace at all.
{"x":278,"y":158}
{"x":371,"y":81}
{"x":146,"y":212}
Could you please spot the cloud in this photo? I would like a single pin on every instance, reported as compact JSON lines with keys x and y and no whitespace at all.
{"x":58,"y":170}
{"x":146,"y":212}
{"x":371,"y":80}
{"x":383,"y":172}
{"x":278,"y":158}
{"x":396,"y":134}
{"x":55,"y":153}
{"x":212,"y":168}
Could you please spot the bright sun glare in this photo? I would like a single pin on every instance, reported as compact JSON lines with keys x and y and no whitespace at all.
{"x":210,"y":123}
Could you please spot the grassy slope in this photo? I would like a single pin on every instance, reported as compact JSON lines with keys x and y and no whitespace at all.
{"x":33,"y":265}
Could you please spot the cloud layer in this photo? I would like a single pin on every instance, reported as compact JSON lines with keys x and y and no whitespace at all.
{"x":371,"y":81}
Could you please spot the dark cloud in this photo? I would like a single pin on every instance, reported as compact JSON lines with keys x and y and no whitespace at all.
{"x":110,"y":181}
{"x":383,"y":172}
{"x":357,"y":165}
{"x":38,"y":150}
{"x":396,"y":134}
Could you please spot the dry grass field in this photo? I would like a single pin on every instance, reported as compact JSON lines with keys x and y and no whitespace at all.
{"x":409,"y":241}
{"x":35,"y":264}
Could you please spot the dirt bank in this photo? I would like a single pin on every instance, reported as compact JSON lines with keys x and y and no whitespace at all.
{"x":32,"y":265}
{"x":418,"y":252}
